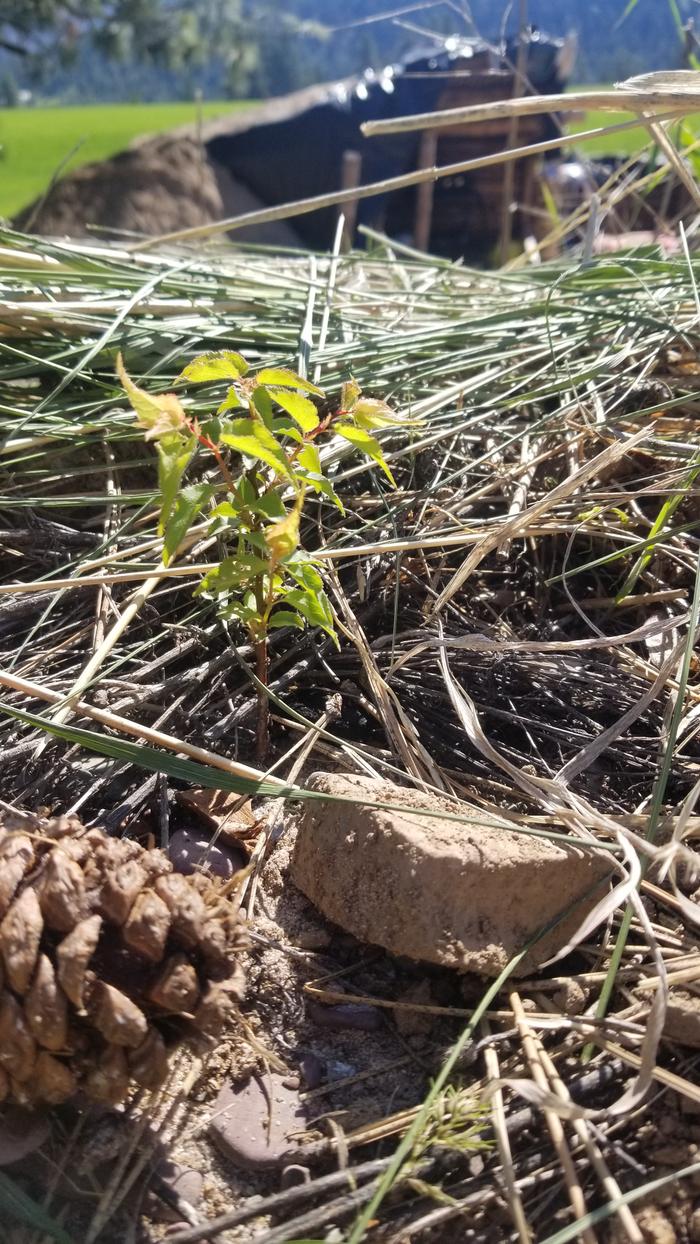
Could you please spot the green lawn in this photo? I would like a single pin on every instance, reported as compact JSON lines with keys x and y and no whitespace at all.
{"x":624,"y":142}
{"x":34,"y":141}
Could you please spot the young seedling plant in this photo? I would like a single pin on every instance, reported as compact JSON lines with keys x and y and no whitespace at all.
{"x":264,"y":442}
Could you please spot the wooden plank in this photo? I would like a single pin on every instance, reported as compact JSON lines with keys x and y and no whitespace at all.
{"x":350,"y":174}
{"x":427,"y":158}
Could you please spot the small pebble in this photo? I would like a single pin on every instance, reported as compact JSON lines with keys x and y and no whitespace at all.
{"x":345,"y":1015}
{"x":190,"y":850}
{"x":339,"y":1071}
{"x":21,"y":1133}
{"x":185,"y":1183}
{"x":312,"y":1070}
{"x":313,"y":939}
{"x":415,"y":1023}
{"x":253,"y":1134}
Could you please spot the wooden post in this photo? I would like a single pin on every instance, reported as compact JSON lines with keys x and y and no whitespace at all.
{"x":427,"y":154}
{"x":350,"y":173}
{"x":509,"y":170}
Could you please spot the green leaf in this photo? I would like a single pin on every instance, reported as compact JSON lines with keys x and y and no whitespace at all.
{"x":225,"y":509}
{"x":245,"y":614}
{"x":290,"y":380}
{"x":320,"y":484}
{"x":270,"y":505}
{"x":212,"y":429}
{"x":245,"y":493}
{"x":223,"y":365}
{"x":261,"y":401}
{"x":304,"y":572}
{"x":16,"y":1204}
{"x":145,"y":758}
{"x":366,"y":444}
{"x":282,"y":427}
{"x":300,"y":408}
{"x":252,"y":438}
{"x":188,"y":504}
{"x":174,"y":456}
{"x":231,"y":402}
{"x":233,"y":572}
{"x":314,"y":606}
{"x":285,"y":617}
{"x":310,"y":459}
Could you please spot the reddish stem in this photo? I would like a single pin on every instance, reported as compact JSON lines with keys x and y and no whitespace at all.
{"x":214,"y":448}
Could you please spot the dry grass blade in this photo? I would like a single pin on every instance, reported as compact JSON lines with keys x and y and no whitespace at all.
{"x":683,"y":100}
{"x":514,"y":527}
{"x":515,"y":1202}
{"x":558,"y":449}
{"x":544,"y":1074}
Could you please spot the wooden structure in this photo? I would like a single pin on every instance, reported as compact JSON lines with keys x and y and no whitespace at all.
{"x":310,"y":143}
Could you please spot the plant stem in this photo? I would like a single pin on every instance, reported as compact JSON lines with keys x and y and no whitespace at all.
{"x":262,"y":728}
{"x":263,"y":723}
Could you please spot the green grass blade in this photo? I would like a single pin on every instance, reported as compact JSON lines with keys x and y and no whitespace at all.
{"x":18,"y":1205}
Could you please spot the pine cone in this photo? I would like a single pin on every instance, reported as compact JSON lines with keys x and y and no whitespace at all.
{"x":108,"y":959}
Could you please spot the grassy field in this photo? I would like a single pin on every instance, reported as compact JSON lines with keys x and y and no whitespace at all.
{"x":624,"y":142}
{"x":34,"y":141}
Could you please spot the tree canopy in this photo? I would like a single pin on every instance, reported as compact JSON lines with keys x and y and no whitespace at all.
{"x":170,"y":48}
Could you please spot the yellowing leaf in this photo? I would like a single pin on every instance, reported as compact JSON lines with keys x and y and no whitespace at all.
{"x":158,"y":413}
{"x":282,"y":538}
{"x":366,"y":444}
{"x":223,"y":365}
{"x":370,"y":413}
{"x":300,"y":408}
{"x":290,"y":380}
{"x":349,"y":394}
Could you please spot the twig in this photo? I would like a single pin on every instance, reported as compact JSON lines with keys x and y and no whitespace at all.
{"x":554,"y":1123}
{"x":280,"y":1201}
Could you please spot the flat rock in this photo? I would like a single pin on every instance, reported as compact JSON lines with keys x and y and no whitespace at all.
{"x":255,"y":1124}
{"x":466,"y":895}
{"x":682,"y":1023}
{"x":191,"y":850}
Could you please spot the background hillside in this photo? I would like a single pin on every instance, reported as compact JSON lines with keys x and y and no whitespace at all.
{"x":272,"y":47}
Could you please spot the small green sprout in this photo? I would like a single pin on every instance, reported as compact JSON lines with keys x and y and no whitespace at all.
{"x":264,"y":437}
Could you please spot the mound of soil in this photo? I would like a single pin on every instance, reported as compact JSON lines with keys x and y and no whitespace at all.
{"x":150,"y":189}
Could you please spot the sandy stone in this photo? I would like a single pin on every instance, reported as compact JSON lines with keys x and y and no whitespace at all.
{"x":683,"y":1018}
{"x":655,"y":1226}
{"x":466,"y":896}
